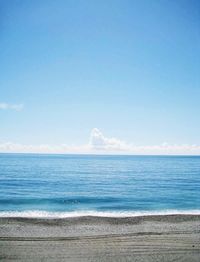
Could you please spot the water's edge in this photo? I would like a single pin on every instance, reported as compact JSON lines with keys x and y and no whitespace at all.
{"x":54,"y":215}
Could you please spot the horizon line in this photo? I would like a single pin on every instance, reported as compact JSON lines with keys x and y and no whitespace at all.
{"x":90,"y":154}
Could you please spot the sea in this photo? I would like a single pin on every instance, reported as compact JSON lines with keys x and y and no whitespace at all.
{"x":58,"y":186}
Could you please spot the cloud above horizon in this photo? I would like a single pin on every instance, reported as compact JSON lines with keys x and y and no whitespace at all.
{"x":16,"y":107}
{"x":100,"y":144}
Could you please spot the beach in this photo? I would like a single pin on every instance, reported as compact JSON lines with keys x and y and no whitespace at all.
{"x":143,"y":238}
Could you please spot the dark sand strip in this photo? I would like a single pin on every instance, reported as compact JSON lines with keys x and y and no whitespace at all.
{"x":151,"y":238}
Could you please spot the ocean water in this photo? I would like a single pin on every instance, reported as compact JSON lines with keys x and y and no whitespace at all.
{"x":64,"y":185}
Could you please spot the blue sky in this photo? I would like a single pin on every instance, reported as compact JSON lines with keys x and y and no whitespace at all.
{"x":128,"y":68}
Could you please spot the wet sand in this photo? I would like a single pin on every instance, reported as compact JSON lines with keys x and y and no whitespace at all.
{"x":147,"y":238}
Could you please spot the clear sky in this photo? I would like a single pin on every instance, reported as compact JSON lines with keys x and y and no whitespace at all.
{"x":129,"y":68}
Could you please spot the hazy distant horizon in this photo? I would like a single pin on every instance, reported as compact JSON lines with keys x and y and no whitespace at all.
{"x":100,"y":145}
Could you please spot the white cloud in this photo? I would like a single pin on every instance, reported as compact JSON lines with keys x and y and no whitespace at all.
{"x":9,"y":147}
{"x":166,"y":149}
{"x":6,"y":106}
{"x":99,"y":144}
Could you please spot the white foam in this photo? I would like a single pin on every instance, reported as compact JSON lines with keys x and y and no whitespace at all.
{"x":51,"y":215}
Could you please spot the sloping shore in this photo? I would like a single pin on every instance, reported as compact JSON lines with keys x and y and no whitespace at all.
{"x":145,"y":238}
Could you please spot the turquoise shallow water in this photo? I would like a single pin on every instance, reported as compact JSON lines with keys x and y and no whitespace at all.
{"x":87,"y":183}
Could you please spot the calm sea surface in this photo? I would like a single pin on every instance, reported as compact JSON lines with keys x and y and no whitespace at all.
{"x":65,"y":183}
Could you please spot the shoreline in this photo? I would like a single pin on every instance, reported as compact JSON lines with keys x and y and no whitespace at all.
{"x":122,"y":217}
{"x":41,"y":214}
{"x":90,"y":238}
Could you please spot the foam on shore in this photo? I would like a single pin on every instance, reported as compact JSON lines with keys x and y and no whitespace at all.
{"x":114,"y":214}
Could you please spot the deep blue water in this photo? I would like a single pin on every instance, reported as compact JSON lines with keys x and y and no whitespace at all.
{"x":99,"y":183}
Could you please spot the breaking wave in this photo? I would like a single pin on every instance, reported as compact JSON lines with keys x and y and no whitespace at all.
{"x":52,"y":215}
